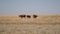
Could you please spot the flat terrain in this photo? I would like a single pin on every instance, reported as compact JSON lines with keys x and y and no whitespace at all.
{"x":43,"y":24}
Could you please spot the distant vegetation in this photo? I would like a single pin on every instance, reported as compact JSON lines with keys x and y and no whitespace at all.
{"x":28,"y":16}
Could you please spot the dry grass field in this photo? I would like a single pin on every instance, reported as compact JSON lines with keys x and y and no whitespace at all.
{"x":43,"y":24}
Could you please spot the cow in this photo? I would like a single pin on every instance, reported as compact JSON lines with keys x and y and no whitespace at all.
{"x":28,"y":16}
{"x":34,"y":16}
{"x":22,"y":16}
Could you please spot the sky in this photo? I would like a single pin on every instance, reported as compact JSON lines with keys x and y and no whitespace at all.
{"x":16,"y":7}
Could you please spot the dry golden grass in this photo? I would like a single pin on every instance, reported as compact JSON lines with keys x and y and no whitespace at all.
{"x":41,"y":19}
{"x":43,"y":24}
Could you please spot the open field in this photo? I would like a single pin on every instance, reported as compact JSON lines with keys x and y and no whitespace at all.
{"x":43,"y":24}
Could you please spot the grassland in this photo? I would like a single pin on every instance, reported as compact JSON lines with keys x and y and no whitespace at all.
{"x":43,"y":24}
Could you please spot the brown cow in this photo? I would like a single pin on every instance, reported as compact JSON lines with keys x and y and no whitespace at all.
{"x":34,"y":16}
{"x":22,"y":16}
{"x":28,"y":16}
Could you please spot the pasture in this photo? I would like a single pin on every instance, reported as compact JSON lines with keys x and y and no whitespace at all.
{"x":43,"y":24}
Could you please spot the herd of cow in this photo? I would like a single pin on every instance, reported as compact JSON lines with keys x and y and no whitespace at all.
{"x":28,"y":16}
